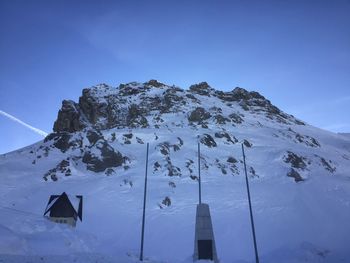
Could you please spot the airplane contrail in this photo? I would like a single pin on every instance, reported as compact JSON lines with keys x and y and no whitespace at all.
{"x":38,"y":131}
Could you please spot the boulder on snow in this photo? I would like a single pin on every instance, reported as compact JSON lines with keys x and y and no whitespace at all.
{"x":231,"y":160}
{"x":247,"y":143}
{"x":166,"y":201}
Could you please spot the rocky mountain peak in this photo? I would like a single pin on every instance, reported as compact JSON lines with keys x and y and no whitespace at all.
{"x":154,"y":83}
{"x":202,"y":88}
{"x":144,"y":104}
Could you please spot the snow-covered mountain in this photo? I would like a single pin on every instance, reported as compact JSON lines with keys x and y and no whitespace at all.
{"x":299,"y":176}
{"x":345,"y":134}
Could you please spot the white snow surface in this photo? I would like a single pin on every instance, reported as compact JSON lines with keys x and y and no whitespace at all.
{"x":308,"y":221}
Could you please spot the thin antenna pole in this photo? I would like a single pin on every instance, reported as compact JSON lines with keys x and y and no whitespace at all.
{"x":144,"y":207}
{"x":250,"y":208}
{"x":199,"y":174}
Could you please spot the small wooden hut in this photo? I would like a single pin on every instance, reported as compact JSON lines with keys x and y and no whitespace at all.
{"x":64,"y":209}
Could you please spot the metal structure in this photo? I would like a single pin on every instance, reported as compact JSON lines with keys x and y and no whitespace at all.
{"x":250,"y":208}
{"x":199,"y":174}
{"x":144,"y":206}
{"x":204,"y":247}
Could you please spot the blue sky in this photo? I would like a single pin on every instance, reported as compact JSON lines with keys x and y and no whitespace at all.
{"x":295,"y":53}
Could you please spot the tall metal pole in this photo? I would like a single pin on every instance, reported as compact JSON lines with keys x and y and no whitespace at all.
{"x":199,"y":174}
{"x":250,"y":208}
{"x":144,"y":207}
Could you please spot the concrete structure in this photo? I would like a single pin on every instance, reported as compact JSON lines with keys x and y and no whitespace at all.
{"x":204,"y":242}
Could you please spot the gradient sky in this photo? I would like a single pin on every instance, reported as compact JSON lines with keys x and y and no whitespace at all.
{"x":295,"y":53}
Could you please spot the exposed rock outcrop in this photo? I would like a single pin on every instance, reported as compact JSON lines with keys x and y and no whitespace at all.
{"x":296,"y":161}
{"x":129,"y":105}
{"x":107,"y":157}
{"x":294,"y":174}
{"x":80,"y":126}
{"x":208,"y":140}
{"x":198,"y":115}
{"x":202,"y":88}
{"x":69,"y":118}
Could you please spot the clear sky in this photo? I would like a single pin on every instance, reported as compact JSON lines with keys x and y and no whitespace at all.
{"x":295,"y":53}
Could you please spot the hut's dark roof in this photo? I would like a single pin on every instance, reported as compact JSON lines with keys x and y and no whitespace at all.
{"x":65,"y":206}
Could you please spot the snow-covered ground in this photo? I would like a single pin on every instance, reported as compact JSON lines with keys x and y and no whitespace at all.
{"x":295,"y":222}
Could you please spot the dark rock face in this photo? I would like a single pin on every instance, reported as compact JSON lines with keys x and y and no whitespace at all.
{"x":63,"y":167}
{"x":91,"y":108}
{"x":242,"y":94}
{"x":166,"y":201}
{"x":227,"y":136}
{"x":327,"y":165}
{"x":231,"y":160}
{"x":193,"y":98}
{"x":237,"y":94}
{"x":172,"y":169}
{"x":294,"y":174}
{"x":170,"y":100}
{"x":256,"y":102}
{"x":135,"y":117}
{"x":208,"y":140}
{"x":69,"y":118}
{"x":202,"y":89}
{"x":103,"y":107}
{"x":93,"y":136}
{"x":64,"y":141}
{"x":220,"y":119}
{"x":199,"y":115}
{"x":235,"y":118}
{"x":154,"y":83}
{"x":61,"y":140}
{"x":107,"y":157}
{"x":109,"y":171}
{"x":50,"y":174}
{"x":295,"y":160}
{"x":164,"y":148}
{"x":247,"y":143}
{"x":308,"y":140}
{"x":252,"y":172}
{"x":130,"y":89}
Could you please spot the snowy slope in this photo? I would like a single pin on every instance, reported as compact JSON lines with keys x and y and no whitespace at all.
{"x":303,"y":218}
{"x":346,"y":135}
